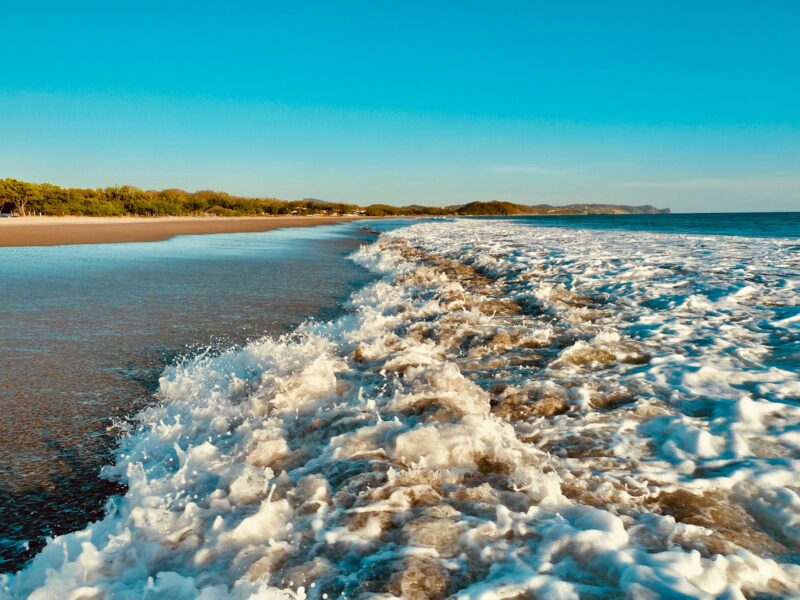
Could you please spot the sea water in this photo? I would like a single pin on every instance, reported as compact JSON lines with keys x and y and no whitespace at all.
{"x":511,"y":410}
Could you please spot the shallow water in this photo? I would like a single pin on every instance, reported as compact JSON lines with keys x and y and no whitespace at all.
{"x":510,"y":411}
{"x":87,"y":330}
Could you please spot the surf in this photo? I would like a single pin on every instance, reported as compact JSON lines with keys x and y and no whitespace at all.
{"x":508,"y":410}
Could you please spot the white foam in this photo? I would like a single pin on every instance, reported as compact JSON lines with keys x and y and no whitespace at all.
{"x":510,"y":410}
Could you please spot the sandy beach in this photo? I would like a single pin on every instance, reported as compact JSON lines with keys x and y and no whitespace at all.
{"x":58,"y":231}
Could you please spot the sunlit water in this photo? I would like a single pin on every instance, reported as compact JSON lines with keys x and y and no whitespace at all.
{"x":510,"y":410}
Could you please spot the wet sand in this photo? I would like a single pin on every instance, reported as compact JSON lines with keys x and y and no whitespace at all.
{"x":58,"y":231}
{"x":86,"y":332}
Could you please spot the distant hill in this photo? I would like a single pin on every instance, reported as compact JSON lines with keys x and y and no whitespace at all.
{"x":498,"y":208}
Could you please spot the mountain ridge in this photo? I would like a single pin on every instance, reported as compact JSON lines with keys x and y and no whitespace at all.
{"x":502,"y":208}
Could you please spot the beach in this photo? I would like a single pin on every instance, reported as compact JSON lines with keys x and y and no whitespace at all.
{"x":88,"y":329}
{"x":347,"y":302}
{"x":505,"y":408}
{"x":58,"y":231}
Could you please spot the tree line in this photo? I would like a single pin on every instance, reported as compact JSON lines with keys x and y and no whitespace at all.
{"x":25,"y":198}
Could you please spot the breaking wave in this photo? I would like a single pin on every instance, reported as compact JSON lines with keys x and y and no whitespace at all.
{"x":509,"y":412}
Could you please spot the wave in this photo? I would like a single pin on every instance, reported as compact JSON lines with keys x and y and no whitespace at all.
{"x":509,"y":412}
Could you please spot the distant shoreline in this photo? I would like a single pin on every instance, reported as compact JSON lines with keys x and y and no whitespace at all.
{"x":24,"y":198}
{"x":62,"y":231}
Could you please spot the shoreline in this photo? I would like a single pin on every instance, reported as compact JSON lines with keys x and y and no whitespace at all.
{"x":64,"y":231}
{"x":144,"y":305}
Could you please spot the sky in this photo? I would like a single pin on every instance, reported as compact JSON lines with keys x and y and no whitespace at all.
{"x":692,"y":105}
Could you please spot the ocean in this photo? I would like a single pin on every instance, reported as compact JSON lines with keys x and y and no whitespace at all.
{"x":765,"y":225}
{"x":543,"y":407}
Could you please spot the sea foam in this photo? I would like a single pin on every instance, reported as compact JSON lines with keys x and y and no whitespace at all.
{"x":509,"y":412}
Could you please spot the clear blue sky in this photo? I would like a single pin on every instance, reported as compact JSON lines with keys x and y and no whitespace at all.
{"x":689,"y":104}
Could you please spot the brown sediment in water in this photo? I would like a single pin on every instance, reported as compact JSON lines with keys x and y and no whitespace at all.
{"x":518,"y":405}
{"x":730,"y":526}
{"x":59,"y":231}
{"x":419,"y":579}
